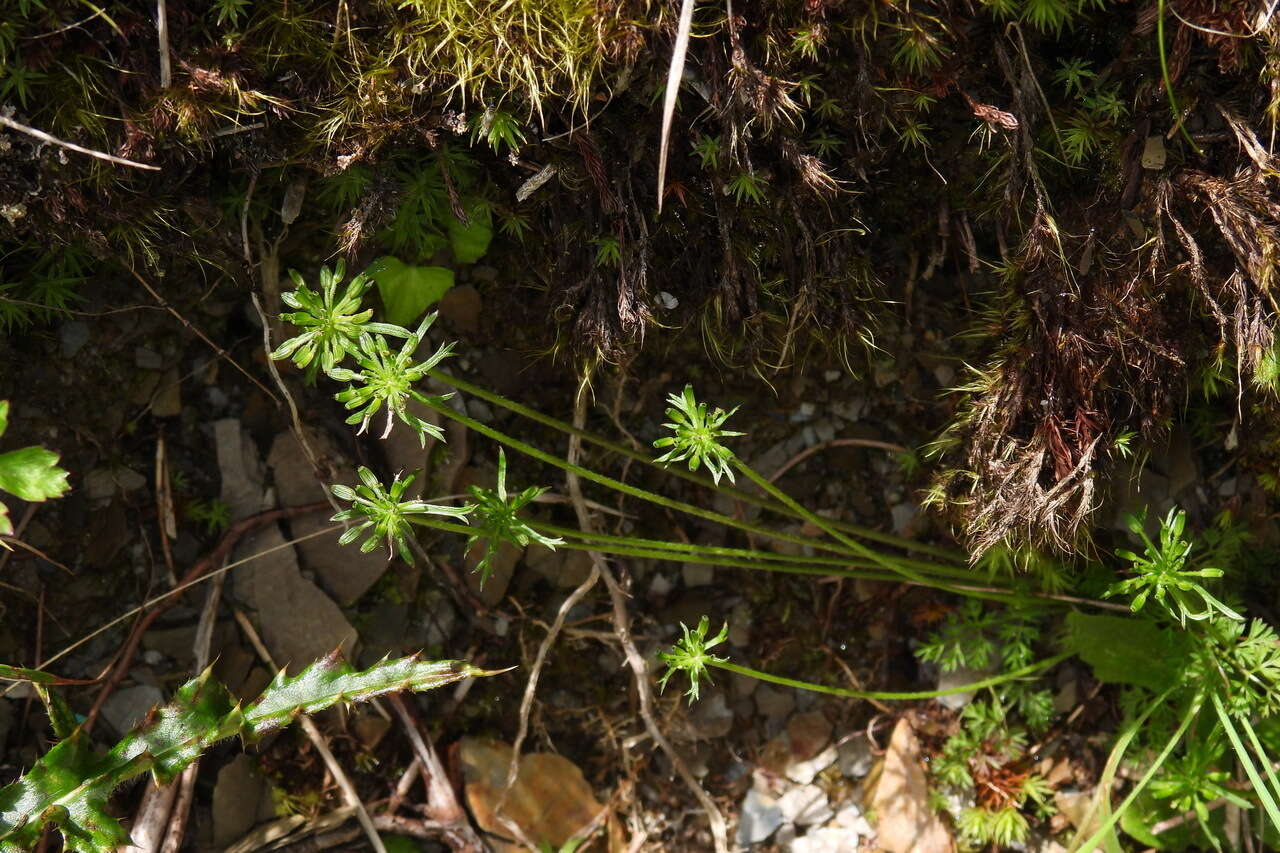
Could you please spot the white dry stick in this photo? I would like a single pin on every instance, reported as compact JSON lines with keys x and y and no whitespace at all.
{"x":162,"y":35}
{"x":622,"y":627}
{"x":298,"y":432}
{"x":187,"y":781}
{"x":148,"y":831}
{"x":161,"y":819}
{"x":349,"y":795}
{"x":674,"y":74}
{"x":5,"y":121}
{"x":531,"y":687}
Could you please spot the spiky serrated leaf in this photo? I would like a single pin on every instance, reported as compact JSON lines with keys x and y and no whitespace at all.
{"x":70,"y":785}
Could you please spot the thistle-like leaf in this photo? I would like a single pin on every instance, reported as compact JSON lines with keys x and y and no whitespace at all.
{"x":70,"y":785}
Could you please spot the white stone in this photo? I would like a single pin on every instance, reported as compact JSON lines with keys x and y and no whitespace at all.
{"x":805,"y":772}
{"x":826,"y":839}
{"x":805,"y":805}
{"x":758,"y":818}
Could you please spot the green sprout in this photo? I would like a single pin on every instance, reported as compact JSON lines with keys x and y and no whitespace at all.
{"x":697,"y":435}
{"x":746,"y":186}
{"x":708,"y":150}
{"x":386,"y":379}
{"x":1073,"y":75}
{"x":333,"y":324}
{"x":1160,"y":572}
{"x":497,"y":517}
{"x":608,"y":251}
{"x":498,"y":128}
{"x":384,"y":513}
{"x":691,"y":654}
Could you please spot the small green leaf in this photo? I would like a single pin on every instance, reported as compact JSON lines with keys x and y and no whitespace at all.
{"x":1128,"y":651}
{"x":470,"y":242}
{"x":408,"y":291}
{"x":4,"y":416}
{"x":32,"y":474}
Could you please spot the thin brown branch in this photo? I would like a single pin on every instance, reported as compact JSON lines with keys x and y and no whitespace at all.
{"x":219,"y":351}
{"x":215,"y":557}
{"x":835,"y":442}
{"x":442,"y":804}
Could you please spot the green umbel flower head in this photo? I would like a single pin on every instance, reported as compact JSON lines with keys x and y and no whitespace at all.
{"x":1161,"y":572}
{"x":691,"y":654}
{"x":386,"y":379}
{"x":697,"y":435}
{"x":497,"y":519}
{"x":385,"y":514}
{"x":331,"y":324}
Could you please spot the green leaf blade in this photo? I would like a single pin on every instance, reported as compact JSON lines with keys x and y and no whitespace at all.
{"x":408,"y":291}
{"x":1128,"y":651}
{"x":32,"y":474}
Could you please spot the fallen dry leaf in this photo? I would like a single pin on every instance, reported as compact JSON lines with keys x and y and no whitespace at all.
{"x":550,"y":800}
{"x":905,"y":822}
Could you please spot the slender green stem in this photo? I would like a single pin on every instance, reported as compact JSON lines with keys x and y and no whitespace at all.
{"x":1168,"y":82}
{"x":780,"y":567}
{"x":701,"y":480}
{"x":643,"y":494}
{"x":1102,"y":791}
{"x":880,"y":694}
{"x":789,"y":568}
{"x":857,"y":547}
{"x":744,"y":553}
{"x":1142,"y":783}
{"x":900,"y":566}
{"x":1259,"y":787}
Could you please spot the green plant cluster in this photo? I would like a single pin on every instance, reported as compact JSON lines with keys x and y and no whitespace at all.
{"x":986,"y":761}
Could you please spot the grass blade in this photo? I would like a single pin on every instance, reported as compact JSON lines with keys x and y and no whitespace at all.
{"x":1264,"y":793}
{"x":1142,"y":783}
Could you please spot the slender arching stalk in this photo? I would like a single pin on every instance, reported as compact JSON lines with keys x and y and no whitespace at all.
{"x":1259,"y":786}
{"x":643,"y":494}
{"x":747,"y":553}
{"x":1103,"y":789}
{"x":826,"y":526}
{"x":775,"y":563}
{"x":914,"y":571}
{"x":684,"y":474}
{"x":890,"y":695}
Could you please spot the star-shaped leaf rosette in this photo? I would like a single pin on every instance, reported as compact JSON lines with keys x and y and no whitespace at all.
{"x":385,"y":379}
{"x":332,"y":324}
{"x":697,"y":435}
{"x":384,"y":514}
{"x":497,"y":519}
{"x":692,"y":655}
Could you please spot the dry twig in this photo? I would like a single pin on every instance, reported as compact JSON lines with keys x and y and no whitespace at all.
{"x":443,"y":807}
{"x":163,"y":603}
{"x":349,"y":795}
{"x":622,"y":627}
{"x":5,"y":121}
